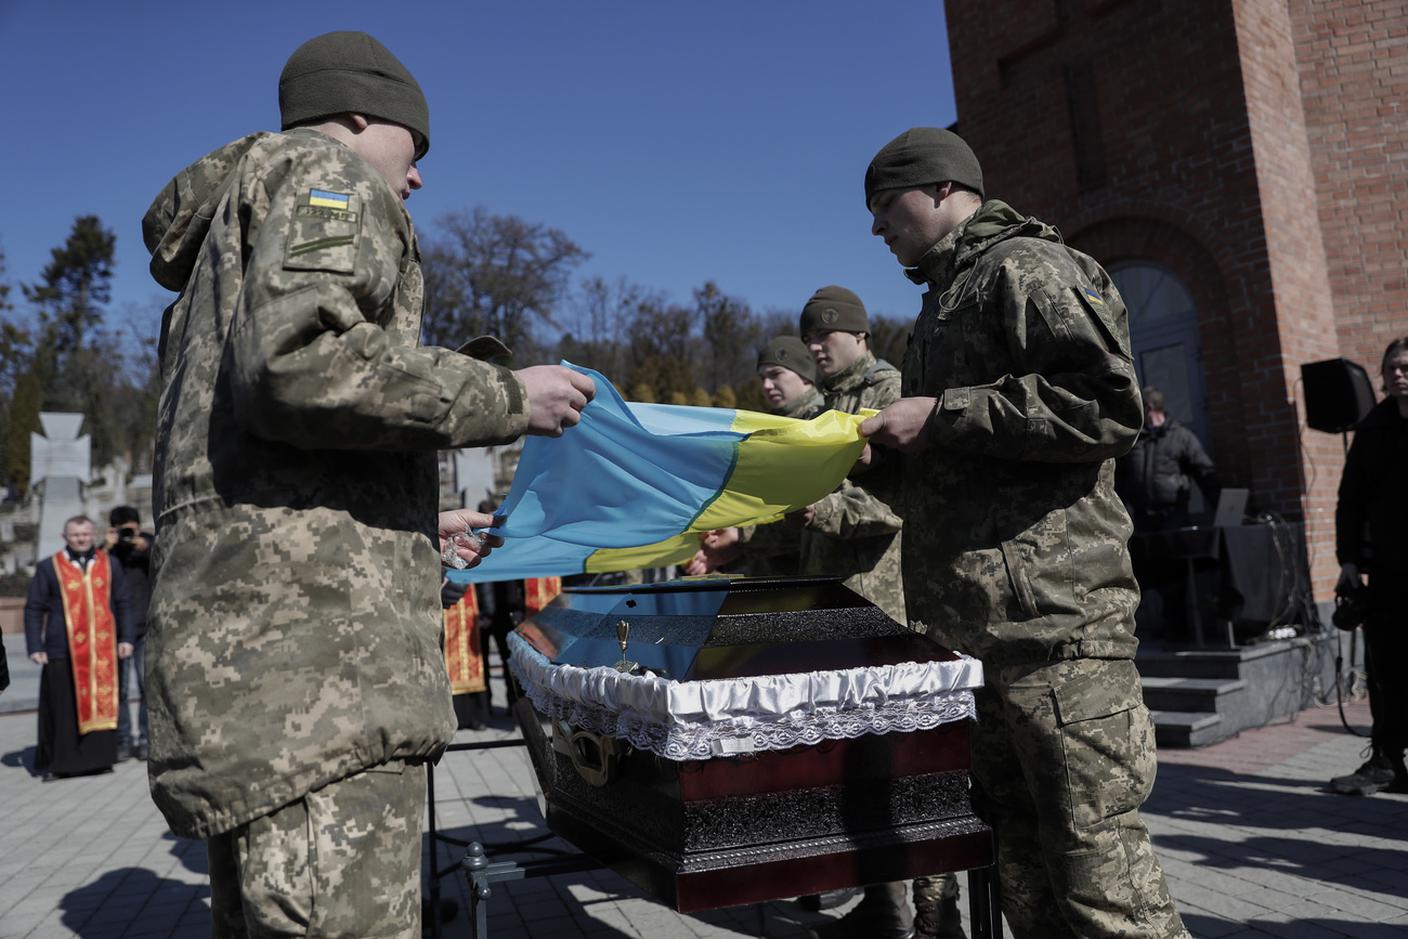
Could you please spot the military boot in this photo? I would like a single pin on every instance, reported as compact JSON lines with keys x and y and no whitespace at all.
{"x":1376,"y":774}
{"x":939,"y":920}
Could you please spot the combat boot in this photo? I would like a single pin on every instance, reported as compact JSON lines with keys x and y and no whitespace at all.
{"x":939,"y":919}
{"x":1376,"y":774}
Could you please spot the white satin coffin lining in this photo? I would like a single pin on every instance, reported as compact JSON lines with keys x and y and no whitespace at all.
{"x":697,"y":720}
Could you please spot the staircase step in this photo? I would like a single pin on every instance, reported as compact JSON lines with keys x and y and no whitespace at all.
{"x":1192,"y":664}
{"x":1187,"y":728}
{"x":1187,"y":694}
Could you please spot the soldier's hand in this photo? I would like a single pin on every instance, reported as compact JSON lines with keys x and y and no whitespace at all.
{"x":699,"y":564}
{"x":556,"y":396}
{"x":1350,"y":578}
{"x":457,"y":522}
{"x":124,"y":650}
{"x":903,"y":425}
{"x":720,"y":539}
{"x":800,"y":518}
{"x":716,"y":548}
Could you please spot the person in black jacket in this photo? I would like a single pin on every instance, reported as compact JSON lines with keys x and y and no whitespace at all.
{"x":1155,"y":477}
{"x":1371,"y":538}
{"x":131,"y":548}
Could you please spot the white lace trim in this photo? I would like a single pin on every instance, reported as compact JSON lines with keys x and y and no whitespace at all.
{"x":696,"y":720}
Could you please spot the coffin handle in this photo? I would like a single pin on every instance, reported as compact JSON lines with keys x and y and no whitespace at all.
{"x":594,"y":756}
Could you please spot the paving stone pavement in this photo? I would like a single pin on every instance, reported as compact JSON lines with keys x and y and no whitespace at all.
{"x":1252,"y":845}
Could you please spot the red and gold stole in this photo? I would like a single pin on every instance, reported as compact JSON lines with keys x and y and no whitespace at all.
{"x":538,"y":592}
{"x":462,"y":652}
{"x":92,"y":638}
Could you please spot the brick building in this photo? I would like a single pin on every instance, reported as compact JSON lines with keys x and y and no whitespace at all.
{"x":1241,"y":168}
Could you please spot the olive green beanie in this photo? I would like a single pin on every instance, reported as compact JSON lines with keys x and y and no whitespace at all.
{"x":920,"y":156}
{"x":834,"y":309}
{"x":788,"y":352}
{"x":350,"y":72}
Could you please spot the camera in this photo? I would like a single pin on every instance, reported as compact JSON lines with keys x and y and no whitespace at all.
{"x":1351,"y":608}
{"x":125,"y":535}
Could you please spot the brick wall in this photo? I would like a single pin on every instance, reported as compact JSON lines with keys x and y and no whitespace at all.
{"x":1300,"y":303}
{"x":1207,"y":169}
{"x":1353,"y":59}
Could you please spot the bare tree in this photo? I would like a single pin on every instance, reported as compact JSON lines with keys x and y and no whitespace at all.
{"x":495,"y":274}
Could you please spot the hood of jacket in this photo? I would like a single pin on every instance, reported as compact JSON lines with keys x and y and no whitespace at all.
{"x":178,"y":219}
{"x":993,"y":222}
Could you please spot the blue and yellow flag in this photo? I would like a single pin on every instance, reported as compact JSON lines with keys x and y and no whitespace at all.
{"x":633,"y":485}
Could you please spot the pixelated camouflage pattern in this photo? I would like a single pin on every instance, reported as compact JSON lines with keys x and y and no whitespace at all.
{"x":1063,"y":757}
{"x":1016,"y":552}
{"x":342,"y":862}
{"x":1017,"y":546}
{"x":295,"y":617}
{"x":854,"y":534}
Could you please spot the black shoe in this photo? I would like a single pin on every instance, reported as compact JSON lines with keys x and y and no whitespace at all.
{"x":142,"y":751}
{"x":1376,"y":774}
{"x":124,"y":752}
{"x":50,"y":777}
{"x":943,"y":921}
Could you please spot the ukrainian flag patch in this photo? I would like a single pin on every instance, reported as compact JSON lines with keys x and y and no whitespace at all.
{"x":1092,"y":296}
{"x":328,"y":200}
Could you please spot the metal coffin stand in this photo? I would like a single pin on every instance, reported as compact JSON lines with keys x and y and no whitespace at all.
{"x":699,"y":834}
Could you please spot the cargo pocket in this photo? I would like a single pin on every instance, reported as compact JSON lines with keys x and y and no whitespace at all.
{"x":1107,"y":741}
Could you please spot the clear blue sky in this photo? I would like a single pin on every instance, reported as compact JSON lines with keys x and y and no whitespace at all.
{"x":676,"y":142}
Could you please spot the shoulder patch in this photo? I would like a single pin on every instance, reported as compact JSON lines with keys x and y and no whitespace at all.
{"x":1092,"y":295}
{"x":323,"y":232}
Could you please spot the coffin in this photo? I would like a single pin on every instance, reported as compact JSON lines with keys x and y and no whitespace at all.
{"x":728,"y":741}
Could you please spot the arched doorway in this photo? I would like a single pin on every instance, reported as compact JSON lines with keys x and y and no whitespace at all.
{"x":1163,"y":333}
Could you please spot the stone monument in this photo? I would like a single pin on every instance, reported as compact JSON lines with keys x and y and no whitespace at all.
{"x":60,"y":462}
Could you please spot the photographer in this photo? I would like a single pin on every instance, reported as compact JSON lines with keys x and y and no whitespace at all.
{"x":1371,"y":518}
{"x":131,"y":548}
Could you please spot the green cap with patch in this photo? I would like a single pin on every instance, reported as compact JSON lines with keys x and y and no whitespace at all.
{"x":351,"y":73}
{"x":921,"y":156}
{"x":788,"y":352}
{"x":834,"y":309}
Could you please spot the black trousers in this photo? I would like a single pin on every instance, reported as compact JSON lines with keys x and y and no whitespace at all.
{"x":1386,"y":657}
{"x":62,"y":749}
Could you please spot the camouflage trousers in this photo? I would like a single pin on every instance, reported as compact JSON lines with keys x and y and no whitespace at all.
{"x":1063,"y":756}
{"x":343,"y":861}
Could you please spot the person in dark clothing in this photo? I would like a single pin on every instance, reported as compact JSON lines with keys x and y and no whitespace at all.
{"x":1155,"y":477}
{"x":1371,"y":539}
{"x":77,"y":625}
{"x":503,"y":603}
{"x":131,"y":548}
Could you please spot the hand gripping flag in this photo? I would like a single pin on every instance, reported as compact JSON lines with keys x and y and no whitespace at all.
{"x":633,"y":485}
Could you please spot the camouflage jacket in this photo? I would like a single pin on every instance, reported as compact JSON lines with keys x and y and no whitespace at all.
{"x":294,"y":622}
{"x":1016,"y":544}
{"x":853,"y":534}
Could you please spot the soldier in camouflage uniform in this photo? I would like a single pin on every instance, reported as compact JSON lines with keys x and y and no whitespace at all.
{"x":1019,"y":392}
{"x":296,"y":681}
{"x":855,"y":534}
{"x":851,"y":533}
{"x":788,"y":377}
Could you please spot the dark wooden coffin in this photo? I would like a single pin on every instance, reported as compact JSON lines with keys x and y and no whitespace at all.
{"x":723,"y":830}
